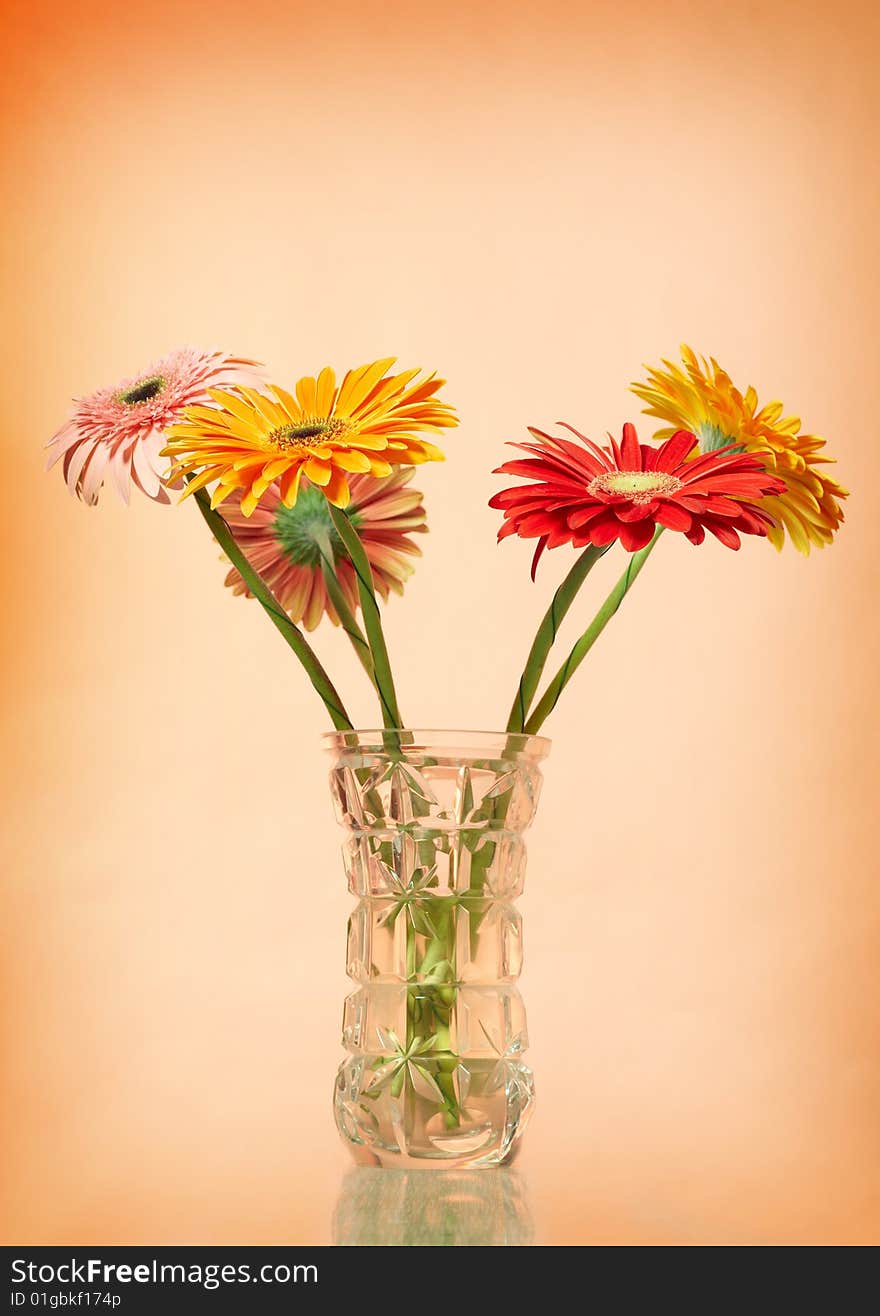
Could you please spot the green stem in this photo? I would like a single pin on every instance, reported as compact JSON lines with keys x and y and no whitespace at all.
{"x":438,"y":995}
{"x":347,"y":619}
{"x":551,"y":695}
{"x":547,"y":632}
{"x":261,"y":592}
{"x":372,"y":617}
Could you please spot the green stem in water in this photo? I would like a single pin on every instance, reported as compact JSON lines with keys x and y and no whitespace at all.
{"x":550,"y":698}
{"x":436,"y":978}
{"x":261,"y":592}
{"x":347,"y":619}
{"x":547,"y":632}
{"x":372,"y":618}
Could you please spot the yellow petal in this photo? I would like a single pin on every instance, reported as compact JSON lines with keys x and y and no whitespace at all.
{"x":337,"y":490}
{"x":222,"y":492}
{"x":232,"y":402}
{"x":289,"y":403}
{"x":358,"y":383}
{"x":351,"y":461}
{"x":210,"y":415}
{"x":271,"y":412}
{"x":249,"y":501}
{"x":417,"y":451}
{"x":197,"y":482}
{"x":390,"y":388}
{"x":289,"y":484}
{"x":325,"y":392}
{"x":262,"y":482}
{"x":306,"y":394}
{"x":272,"y":470}
{"x":318,"y":472}
{"x":375,"y":442}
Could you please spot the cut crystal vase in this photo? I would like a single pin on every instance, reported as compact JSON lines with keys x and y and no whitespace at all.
{"x":435,"y":1028}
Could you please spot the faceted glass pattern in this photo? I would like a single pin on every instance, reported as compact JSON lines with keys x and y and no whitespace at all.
{"x":435,"y":1028}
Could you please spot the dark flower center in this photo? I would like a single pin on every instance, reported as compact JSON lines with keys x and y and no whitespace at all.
{"x":302,"y":530}
{"x":302,"y":432}
{"x":143,"y":391}
{"x":307,"y":433}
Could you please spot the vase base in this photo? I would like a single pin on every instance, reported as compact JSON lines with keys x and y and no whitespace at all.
{"x":367,"y":1158}
{"x":409,"y":1132}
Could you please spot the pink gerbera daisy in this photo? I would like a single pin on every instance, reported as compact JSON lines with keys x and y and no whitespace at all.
{"x":119,"y":432}
{"x":283,"y":543}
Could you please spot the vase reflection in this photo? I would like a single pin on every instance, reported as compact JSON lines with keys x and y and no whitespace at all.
{"x":442,"y":1208}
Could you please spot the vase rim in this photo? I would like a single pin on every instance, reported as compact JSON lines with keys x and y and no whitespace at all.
{"x":470,"y":741}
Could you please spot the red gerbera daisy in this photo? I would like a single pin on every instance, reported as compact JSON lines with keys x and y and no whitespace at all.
{"x":590,"y":495}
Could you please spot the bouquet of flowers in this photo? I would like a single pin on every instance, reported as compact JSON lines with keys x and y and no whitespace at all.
{"x":318,"y":514}
{"x":308,"y":493}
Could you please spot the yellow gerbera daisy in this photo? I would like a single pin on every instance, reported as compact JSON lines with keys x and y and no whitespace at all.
{"x":702,"y":398}
{"x":367,"y":425}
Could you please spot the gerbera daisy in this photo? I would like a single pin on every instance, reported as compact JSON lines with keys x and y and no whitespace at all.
{"x":582,"y":494}
{"x":366,"y":425}
{"x":703,"y":398}
{"x":119,"y":432}
{"x":282,"y":543}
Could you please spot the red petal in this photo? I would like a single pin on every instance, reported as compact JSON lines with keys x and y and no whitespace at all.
{"x":672,"y":453}
{"x":712,"y":462}
{"x":627,"y":511}
{"x":604,"y":529}
{"x":600,"y":454}
{"x":584,"y":516}
{"x":535,"y":523}
{"x":542,"y":544}
{"x":636,"y":534}
{"x":754,"y":522}
{"x":566,"y":457}
{"x":531,"y":468}
{"x":722,"y":531}
{"x":630,"y":449}
{"x":674,"y":517}
{"x":721,"y":506}
{"x":723,"y":486}
{"x":693,"y":502}
{"x":560,"y":534}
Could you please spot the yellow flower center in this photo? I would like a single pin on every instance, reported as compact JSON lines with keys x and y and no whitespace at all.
{"x":637,"y":486}
{"x":307,"y":433}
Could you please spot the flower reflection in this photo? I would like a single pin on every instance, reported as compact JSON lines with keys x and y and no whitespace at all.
{"x":441,"y":1208}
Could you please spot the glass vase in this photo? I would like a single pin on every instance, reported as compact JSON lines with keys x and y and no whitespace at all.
{"x":435,"y":1029}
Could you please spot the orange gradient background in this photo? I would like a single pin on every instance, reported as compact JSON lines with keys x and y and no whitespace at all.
{"x":533,"y":199}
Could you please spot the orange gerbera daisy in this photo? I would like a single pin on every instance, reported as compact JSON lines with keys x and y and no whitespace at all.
{"x":366,"y":425}
{"x":700,"y":396}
